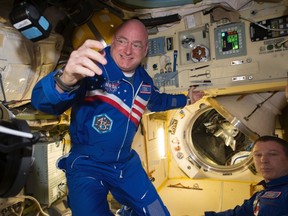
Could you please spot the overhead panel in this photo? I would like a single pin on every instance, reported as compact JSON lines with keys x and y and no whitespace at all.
{"x":227,"y":57}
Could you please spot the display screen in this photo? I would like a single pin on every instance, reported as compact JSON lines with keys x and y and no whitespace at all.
{"x":230,"y":41}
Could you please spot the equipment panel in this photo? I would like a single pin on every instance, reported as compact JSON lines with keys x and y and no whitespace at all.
{"x":194,"y":45}
{"x":230,"y":40}
{"x":226,"y":57}
{"x":270,"y":28}
{"x":46,"y":182}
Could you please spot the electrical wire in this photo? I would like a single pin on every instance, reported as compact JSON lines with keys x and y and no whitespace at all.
{"x":59,"y":187}
{"x":259,"y":105}
{"x":21,"y":209}
{"x":164,"y":61}
{"x":37,"y":203}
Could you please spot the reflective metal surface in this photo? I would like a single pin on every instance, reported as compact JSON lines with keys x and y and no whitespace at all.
{"x":216,"y":145}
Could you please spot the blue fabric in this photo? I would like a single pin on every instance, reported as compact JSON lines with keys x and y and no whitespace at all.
{"x":106,"y":112}
{"x":89,"y":183}
{"x":106,"y":109}
{"x":272,"y":201}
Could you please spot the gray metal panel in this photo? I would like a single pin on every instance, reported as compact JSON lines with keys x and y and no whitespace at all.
{"x":46,"y":183}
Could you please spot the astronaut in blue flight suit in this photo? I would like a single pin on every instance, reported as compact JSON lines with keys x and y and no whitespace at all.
{"x":270,"y":155}
{"x":108,"y":92}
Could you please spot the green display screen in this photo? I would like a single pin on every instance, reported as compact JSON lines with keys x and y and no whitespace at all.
{"x":230,"y":41}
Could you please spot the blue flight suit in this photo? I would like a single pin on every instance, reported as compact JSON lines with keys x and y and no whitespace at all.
{"x":106,"y":112}
{"x":272,"y":201}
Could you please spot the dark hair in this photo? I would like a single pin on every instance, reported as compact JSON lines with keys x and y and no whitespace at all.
{"x":278,"y":140}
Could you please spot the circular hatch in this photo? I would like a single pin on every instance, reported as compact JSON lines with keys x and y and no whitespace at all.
{"x":211,"y":141}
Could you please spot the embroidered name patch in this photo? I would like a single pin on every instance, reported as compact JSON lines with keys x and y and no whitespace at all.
{"x":145,"y":89}
{"x":102,"y":123}
{"x":271,"y":194}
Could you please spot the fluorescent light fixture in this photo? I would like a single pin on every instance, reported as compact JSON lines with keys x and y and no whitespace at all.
{"x":161,"y":143}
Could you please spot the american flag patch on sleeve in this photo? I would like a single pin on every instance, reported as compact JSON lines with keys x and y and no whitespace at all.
{"x":271,"y":194}
{"x":145,"y":89}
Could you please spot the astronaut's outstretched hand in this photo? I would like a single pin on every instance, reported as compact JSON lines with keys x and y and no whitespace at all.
{"x":83,"y":62}
{"x":194,"y":94}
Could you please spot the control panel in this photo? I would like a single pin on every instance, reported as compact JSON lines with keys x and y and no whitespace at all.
{"x":270,"y":28}
{"x":224,"y":57}
{"x":230,"y":40}
{"x":156,"y":46}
